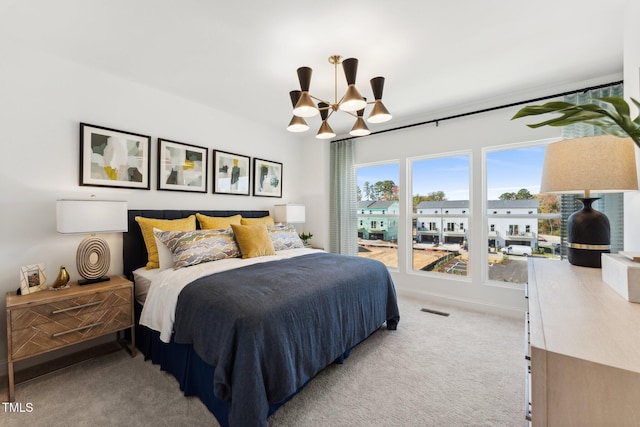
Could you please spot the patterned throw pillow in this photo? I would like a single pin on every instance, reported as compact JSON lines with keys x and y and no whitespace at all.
{"x":198,"y":246}
{"x":148,"y":224}
{"x":284,"y":237}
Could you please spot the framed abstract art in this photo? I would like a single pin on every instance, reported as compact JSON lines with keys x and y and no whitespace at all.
{"x":267,"y":180}
{"x":231,"y":173}
{"x":113,"y":158}
{"x":182,"y":167}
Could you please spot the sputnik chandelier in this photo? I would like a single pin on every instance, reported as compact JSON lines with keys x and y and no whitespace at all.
{"x":352,"y":101}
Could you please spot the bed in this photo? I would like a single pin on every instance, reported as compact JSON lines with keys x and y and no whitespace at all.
{"x":247,"y":335}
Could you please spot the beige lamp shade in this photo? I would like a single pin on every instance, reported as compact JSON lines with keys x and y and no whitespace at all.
{"x":598,"y":164}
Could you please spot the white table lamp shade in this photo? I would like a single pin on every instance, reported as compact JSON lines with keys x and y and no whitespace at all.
{"x":289,"y":213}
{"x":93,"y":257}
{"x":91,"y":216}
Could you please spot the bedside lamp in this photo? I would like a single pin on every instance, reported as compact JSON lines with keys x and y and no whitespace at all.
{"x":293,"y":214}
{"x":599,"y":164}
{"x":92,"y":216}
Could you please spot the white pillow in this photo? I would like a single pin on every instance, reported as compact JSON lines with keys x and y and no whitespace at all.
{"x":165,"y":257}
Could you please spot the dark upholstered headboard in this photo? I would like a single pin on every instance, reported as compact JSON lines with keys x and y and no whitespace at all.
{"x":134,"y":252}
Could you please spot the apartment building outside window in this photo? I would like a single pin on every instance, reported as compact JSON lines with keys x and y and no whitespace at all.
{"x":440,"y":200}
{"x":378,"y":210}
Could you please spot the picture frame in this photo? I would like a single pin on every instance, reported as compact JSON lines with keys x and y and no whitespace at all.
{"x":231,"y":173}
{"x":32,"y":279}
{"x":114,"y":158}
{"x":182,"y":167}
{"x":267,"y":178}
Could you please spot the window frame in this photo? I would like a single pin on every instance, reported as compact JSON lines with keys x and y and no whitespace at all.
{"x":486,"y":217}
{"x":371,"y":215}
{"x":410,"y":216}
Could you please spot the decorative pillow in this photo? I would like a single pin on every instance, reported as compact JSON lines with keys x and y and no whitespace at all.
{"x":198,"y":246}
{"x":266,"y":220}
{"x":284,"y":237}
{"x":165,"y":257}
{"x":253,"y":240}
{"x":148,"y":224}
{"x":216,"y":222}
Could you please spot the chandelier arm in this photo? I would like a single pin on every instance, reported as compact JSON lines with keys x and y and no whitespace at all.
{"x":330,"y":113}
{"x":319,"y":99}
{"x":335,"y":82}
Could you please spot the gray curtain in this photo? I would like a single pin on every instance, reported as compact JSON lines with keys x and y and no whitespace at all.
{"x":342,"y":215}
{"x":611,"y":204}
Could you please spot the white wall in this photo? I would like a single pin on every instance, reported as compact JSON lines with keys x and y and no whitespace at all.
{"x":42,"y":101}
{"x":632,"y":90}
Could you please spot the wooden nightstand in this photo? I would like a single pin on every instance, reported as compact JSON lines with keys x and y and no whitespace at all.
{"x":49,"y":320}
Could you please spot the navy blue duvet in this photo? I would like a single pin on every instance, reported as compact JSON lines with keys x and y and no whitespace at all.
{"x":270,"y":327}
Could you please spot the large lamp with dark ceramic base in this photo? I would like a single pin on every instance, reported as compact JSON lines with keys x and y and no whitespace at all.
{"x":594,"y":164}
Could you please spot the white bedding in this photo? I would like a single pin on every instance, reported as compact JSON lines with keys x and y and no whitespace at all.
{"x":143,"y":278}
{"x":158,"y":311}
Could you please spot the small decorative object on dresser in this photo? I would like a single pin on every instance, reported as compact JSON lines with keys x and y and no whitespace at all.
{"x":305,"y":237}
{"x":62,"y":279}
{"x":47,"y":321}
{"x":32,"y":278}
{"x":622,"y":274}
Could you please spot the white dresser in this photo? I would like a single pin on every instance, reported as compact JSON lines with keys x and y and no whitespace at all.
{"x":584,"y":348}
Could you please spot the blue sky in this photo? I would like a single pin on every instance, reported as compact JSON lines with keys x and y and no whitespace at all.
{"x":507,"y":170}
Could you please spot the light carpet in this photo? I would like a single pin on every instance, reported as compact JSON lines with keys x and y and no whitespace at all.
{"x":466,"y":369}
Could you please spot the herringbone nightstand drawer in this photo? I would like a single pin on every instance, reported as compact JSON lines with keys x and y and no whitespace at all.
{"x":69,"y":311}
{"x":68,"y":329}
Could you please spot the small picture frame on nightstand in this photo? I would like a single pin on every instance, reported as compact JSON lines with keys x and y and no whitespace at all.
{"x":32,"y":279}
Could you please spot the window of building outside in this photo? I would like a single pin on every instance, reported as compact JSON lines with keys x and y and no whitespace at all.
{"x":516,"y":214}
{"x":378,"y":195}
{"x":440,"y":197}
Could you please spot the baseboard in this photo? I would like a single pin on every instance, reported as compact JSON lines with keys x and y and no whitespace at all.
{"x":498,"y":310}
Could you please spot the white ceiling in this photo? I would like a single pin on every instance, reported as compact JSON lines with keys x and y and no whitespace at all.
{"x":242,"y":56}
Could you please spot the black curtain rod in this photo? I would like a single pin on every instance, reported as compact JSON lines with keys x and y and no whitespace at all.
{"x":485,"y":110}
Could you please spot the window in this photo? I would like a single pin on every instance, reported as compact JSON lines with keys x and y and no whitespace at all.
{"x":440,"y":185}
{"x":513,"y":182}
{"x":378,"y":195}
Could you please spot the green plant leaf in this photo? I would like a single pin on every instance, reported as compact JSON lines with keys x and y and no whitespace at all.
{"x":611,"y":114}
{"x":619,"y":104}
{"x":637,"y":119}
{"x":534,"y":110}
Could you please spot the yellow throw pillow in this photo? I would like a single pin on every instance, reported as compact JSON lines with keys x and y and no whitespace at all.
{"x":217,"y":222}
{"x":148,"y":224}
{"x":266,"y":220}
{"x":253,"y":240}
